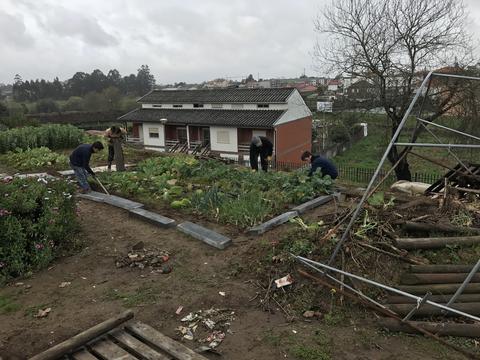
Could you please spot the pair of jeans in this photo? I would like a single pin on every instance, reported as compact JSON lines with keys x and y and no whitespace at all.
{"x":81,"y":174}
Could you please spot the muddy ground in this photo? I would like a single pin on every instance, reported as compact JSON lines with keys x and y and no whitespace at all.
{"x":99,"y":290}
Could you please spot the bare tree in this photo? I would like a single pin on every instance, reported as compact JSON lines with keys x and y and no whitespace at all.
{"x":391,"y":43}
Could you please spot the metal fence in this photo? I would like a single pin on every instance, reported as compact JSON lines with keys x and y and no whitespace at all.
{"x":354,"y":174}
{"x":363,"y":175}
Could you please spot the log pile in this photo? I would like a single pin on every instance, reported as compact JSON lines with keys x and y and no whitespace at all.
{"x":442,"y":281}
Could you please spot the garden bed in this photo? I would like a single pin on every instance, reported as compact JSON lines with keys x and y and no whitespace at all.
{"x":224,"y":193}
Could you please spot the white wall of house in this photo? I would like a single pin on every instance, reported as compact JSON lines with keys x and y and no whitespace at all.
{"x":223,"y":139}
{"x":297,"y":109}
{"x":153,"y":128}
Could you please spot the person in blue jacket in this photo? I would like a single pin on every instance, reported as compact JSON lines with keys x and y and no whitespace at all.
{"x":80,"y":163}
{"x":326,"y":166}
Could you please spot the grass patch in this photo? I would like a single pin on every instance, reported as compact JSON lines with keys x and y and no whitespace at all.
{"x":141,"y":296}
{"x":8,"y":305}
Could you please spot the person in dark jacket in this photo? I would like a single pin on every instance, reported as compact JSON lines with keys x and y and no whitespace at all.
{"x":80,"y":163}
{"x":260,"y":145}
{"x":326,"y":166}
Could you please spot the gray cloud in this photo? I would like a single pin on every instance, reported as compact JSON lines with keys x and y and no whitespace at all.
{"x":13,"y":31}
{"x":65,"y":22}
{"x":181,"y":40}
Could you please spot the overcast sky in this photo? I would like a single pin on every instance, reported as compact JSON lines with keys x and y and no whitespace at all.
{"x":181,"y":40}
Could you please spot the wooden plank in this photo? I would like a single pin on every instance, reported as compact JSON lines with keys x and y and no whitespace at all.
{"x":82,"y":338}
{"x":83,"y":355}
{"x":441,"y":268}
{"x":425,"y":278}
{"x":136,"y":347}
{"x":110,"y":351}
{"x":172,"y":347}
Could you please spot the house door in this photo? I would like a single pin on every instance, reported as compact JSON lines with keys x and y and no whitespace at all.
{"x":205,"y":135}
{"x":182,"y":135}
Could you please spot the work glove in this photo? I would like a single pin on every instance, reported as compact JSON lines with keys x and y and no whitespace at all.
{"x":269,"y":158}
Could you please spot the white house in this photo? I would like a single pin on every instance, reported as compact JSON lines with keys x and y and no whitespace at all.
{"x":223,"y":120}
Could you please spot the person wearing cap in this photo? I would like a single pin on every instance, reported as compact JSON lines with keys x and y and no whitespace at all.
{"x":326,"y":166}
{"x":260,"y":145}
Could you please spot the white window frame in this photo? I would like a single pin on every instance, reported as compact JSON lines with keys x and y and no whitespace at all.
{"x":156,"y":131}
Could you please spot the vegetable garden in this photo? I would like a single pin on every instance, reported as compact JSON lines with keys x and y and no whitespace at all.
{"x":226,"y":193}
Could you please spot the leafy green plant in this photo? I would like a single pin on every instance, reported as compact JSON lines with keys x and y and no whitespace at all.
{"x":32,"y":159}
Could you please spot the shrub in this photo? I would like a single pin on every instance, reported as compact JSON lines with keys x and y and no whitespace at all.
{"x":53,"y":136}
{"x":38,"y":222}
{"x":32,"y":159}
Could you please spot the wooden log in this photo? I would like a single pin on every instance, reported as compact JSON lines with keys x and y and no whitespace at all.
{"x":389,"y":313}
{"x":441,"y":268}
{"x":443,"y":228}
{"x":416,"y":279}
{"x":441,"y":299}
{"x":151,"y":336}
{"x":427,"y":310}
{"x":83,"y":337}
{"x":442,"y":329}
{"x":439,"y":289}
{"x":435,"y":242}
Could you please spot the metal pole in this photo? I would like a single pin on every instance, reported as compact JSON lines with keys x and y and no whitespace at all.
{"x":385,"y":287}
{"x":358,"y":292}
{"x":464,"y":284}
{"x":456,"y":76}
{"x":418,"y":306}
{"x":379,"y":167}
{"x":448,"y":146}
{"x":447,"y":128}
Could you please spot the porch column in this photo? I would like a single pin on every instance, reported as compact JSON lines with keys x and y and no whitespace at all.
{"x":188,"y":137}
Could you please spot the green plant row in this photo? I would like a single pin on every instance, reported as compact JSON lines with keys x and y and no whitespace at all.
{"x":34,"y":158}
{"x":37,"y":221}
{"x":53,"y":136}
{"x":229,"y":194}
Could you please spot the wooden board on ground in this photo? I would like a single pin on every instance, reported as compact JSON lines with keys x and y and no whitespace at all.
{"x":151,"y":336}
{"x":136,"y":341}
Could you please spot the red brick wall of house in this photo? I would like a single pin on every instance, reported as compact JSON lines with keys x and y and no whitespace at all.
{"x":293,"y":138}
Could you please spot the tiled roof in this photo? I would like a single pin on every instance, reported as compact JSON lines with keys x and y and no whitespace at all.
{"x":237,"y":118}
{"x":209,"y":96}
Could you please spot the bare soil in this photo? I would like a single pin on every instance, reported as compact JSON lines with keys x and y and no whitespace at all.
{"x":98,"y":290}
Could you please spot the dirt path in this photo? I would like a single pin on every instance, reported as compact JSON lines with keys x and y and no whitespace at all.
{"x":99,"y":290}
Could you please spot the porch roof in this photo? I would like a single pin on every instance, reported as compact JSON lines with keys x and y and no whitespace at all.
{"x":260,"y":119}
